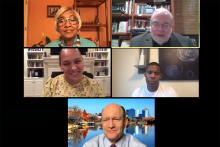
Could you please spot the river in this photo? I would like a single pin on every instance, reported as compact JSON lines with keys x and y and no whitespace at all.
{"x":145,"y":134}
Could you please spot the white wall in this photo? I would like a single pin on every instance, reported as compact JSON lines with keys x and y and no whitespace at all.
{"x":125,"y":77}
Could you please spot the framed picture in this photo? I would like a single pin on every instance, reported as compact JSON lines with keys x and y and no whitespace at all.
{"x":52,"y":10}
{"x":179,"y":64}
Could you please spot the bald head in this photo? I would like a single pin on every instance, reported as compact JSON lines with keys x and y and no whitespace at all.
{"x":68,"y":51}
{"x":114,"y":106}
{"x":162,"y":11}
{"x":114,"y":122}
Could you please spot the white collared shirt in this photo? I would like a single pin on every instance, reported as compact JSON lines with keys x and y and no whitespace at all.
{"x":120,"y":143}
{"x":125,"y":141}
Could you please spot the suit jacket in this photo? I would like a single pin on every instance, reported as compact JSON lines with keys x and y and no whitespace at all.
{"x":129,"y":141}
{"x":145,"y":40}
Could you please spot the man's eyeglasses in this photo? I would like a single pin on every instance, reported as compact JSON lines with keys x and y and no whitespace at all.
{"x":164,"y":26}
{"x":62,"y":21}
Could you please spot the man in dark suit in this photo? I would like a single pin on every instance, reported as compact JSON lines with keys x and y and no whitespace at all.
{"x":161,"y":34}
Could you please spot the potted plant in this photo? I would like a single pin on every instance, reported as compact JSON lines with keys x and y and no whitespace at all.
{"x":44,"y":42}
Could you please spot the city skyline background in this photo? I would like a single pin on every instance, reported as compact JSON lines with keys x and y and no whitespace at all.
{"x":96,"y":105}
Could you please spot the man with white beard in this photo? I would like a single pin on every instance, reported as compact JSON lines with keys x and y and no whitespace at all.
{"x":161,"y":34}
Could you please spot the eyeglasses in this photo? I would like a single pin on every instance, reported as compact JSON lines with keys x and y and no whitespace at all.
{"x":62,"y":21}
{"x":164,"y":26}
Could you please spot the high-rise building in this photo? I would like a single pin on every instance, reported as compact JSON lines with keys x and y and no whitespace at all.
{"x":145,"y":112}
{"x":136,"y":112}
{"x":132,"y":112}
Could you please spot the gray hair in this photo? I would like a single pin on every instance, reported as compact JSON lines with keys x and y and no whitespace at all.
{"x":163,"y":10}
{"x":64,"y":9}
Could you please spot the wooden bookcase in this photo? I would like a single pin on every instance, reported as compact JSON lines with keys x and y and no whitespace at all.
{"x":96,"y":4}
{"x":133,"y":16}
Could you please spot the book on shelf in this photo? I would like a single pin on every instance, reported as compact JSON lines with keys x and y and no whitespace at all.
{"x":116,"y":11}
{"x":36,"y":49}
{"x":130,"y":7}
{"x":100,"y":64}
{"x":122,"y":27}
{"x":122,"y":7}
{"x":35,"y":56}
{"x":35,"y":64}
{"x":139,"y":8}
{"x":159,"y":0}
{"x":101,"y":56}
{"x":124,"y":37}
{"x":141,"y":25}
{"x":125,"y":43}
{"x":115,"y":43}
{"x":118,"y":8}
{"x":39,"y":64}
{"x":118,"y":5}
{"x":101,"y":49}
{"x":136,"y":30}
{"x":126,"y":7}
{"x":193,"y":41}
{"x":128,"y":27}
{"x":35,"y":73}
{"x":143,"y":9}
{"x":101,"y":72}
{"x":162,"y":4}
{"x":114,"y":27}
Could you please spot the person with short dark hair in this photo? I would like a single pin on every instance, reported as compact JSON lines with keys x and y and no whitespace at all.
{"x":153,"y":88}
{"x":161,"y":34}
{"x":114,"y":122}
{"x":72,"y":83}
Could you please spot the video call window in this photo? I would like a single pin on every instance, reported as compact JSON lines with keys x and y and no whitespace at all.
{"x":156,"y":23}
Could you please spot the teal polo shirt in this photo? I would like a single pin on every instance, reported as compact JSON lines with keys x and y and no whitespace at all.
{"x":84,"y":43}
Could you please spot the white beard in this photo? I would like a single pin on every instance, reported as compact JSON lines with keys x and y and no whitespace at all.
{"x":159,"y":40}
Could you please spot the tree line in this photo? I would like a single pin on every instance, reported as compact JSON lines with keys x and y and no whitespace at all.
{"x":76,"y":111}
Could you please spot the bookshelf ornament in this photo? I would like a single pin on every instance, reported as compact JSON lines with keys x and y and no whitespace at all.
{"x":96,"y":21}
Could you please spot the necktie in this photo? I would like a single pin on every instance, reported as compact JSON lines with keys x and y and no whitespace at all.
{"x":113,"y":145}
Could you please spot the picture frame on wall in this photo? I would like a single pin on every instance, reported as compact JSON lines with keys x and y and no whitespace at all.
{"x":52,"y":10}
{"x":179,"y":64}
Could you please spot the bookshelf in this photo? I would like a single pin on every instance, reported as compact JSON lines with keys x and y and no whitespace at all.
{"x":102,"y":62}
{"x":94,"y":4}
{"x":102,"y":67}
{"x":34,"y":66}
{"x":131,"y":15}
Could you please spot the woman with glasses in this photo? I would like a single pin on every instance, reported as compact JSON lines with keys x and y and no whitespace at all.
{"x":67,"y":25}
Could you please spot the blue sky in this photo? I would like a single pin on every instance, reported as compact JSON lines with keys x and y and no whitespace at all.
{"x":96,"y":105}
